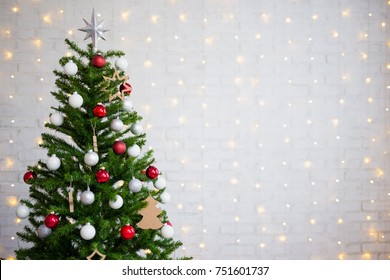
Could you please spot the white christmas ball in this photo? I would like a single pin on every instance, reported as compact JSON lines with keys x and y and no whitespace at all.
{"x":116,"y":125}
{"x":91,"y":158}
{"x":136,"y":128}
{"x":22,"y":211}
{"x":70,"y":68}
{"x":165,"y":197}
{"x":43,"y":231}
{"x":134,"y":151}
{"x":56,"y":119}
{"x":167,"y":231}
{"x":75,"y":100}
{"x":116,"y":203}
{"x":53,"y":163}
{"x":135,"y":185}
{"x":127,"y":104}
{"x":87,"y":232}
{"x":121,"y":63}
{"x":87,"y":197}
{"x":160,"y":183}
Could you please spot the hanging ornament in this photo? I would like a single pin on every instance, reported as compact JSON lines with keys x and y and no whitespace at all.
{"x":134,"y":151}
{"x":99,"y":111}
{"x":98,"y":61}
{"x":51,"y":220}
{"x":53,"y":163}
{"x":43,"y":231}
{"x":75,"y":100}
{"x":165,"y":197}
{"x":136,"y":128}
{"x":152,"y":172}
{"x":22,"y":211}
{"x":135,"y":185}
{"x":118,"y":184}
{"x":70,"y":68}
{"x":56,"y":119}
{"x":94,"y":139}
{"x":96,"y":252}
{"x":115,"y":77}
{"x":127,"y":104}
{"x":116,"y":203}
{"x":70,"y":198}
{"x":160,"y":183}
{"x":149,"y":215}
{"x":167,"y":231}
{"x":29,"y":176}
{"x":87,"y":231}
{"x":127,"y":232}
{"x":119,"y":147}
{"x":91,"y":158}
{"x":94,"y":30}
{"x":87,"y":197}
{"x":102,"y":176}
{"x":125,"y":88}
{"x":121,"y":63}
{"x":116,"y":125}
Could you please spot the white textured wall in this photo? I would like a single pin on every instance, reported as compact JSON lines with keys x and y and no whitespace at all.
{"x":268,"y":118}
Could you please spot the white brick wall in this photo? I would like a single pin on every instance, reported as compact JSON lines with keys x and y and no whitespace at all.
{"x":268,"y":118}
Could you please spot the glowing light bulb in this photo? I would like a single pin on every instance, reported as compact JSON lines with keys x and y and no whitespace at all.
{"x":314,"y":17}
{"x":154,"y":18}
{"x":15,"y":9}
{"x":47,"y":19}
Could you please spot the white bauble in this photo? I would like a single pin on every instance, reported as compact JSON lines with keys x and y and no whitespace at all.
{"x":116,"y":125}
{"x":87,"y":197}
{"x":91,"y":158}
{"x":127,"y":104}
{"x":53,"y":163}
{"x":121,"y":63}
{"x":116,"y":203}
{"x":56,"y":119}
{"x":43,"y":231}
{"x":22,"y":211}
{"x":160,"y":183}
{"x":136,"y":128}
{"x":167,"y":231}
{"x":87,"y":232}
{"x":165,"y":197}
{"x":70,"y":68}
{"x":135,"y":185}
{"x":134,"y":151}
{"x":75,"y":100}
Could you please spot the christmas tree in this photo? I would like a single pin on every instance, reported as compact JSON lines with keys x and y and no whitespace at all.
{"x":96,"y":195}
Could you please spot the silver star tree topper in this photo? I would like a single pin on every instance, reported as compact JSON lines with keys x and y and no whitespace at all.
{"x":94,"y":29}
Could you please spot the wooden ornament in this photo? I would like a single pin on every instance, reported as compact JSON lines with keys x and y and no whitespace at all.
{"x":96,"y":251}
{"x":70,"y":197}
{"x":150,"y":214}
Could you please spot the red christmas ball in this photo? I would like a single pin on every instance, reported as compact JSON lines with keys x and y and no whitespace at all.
{"x":102,"y":176}
{"x":51,"y":220}
{"x":127,"y":232}
{"x":99,"y":111}
{"x":28,"y":176}
{"x":125,"y":88}
{"x":169,"y":223}
{"x":152,"y":172}
{"x":98,"y":61}
{"x":119,"y":147}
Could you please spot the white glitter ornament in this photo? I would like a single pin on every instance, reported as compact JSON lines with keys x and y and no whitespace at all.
{"x":121,"y":63}
{"x":56,"y":119}
{"x":91,"y":158}
{"x":165,"y":197}
{"x":87,"y":197}
{"x":70,"y":68}
{"x":160,"y":183}
{"x":22,"y":211}
{"x":75,"y":100}
{"x":127,"y":104}
{"x":167,"y":231}
{"x":87,"y":232}
{"x":134,"y":151}
{"x":135,"y":185}
{"x":116,"y":203}
{"x":43,"y":231}
{"x":136,"y":128}
{"x":53,"y":163}
{"x":116,"y":125}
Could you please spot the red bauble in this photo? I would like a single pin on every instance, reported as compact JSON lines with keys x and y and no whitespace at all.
{"x":127,"y":232}
{"x":125,"y":88}
{"x":169,"y":223}
{"x":98,"y":61}
{"x":152,"y":172}
{"x":99,"y":111}
{"x":51,"y":220}
{"x":102,"y":176}
{"x":28,"y":176}
{"x":119,"y":147}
